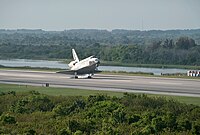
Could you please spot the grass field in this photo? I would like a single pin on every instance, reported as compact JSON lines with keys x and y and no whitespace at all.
{"x":110,"y":63}
{"x":81,"y":92}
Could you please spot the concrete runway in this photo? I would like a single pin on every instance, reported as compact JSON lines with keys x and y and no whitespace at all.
{"x":138,"y":84}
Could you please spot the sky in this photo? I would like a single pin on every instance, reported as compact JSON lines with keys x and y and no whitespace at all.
{"x":100,"y":14}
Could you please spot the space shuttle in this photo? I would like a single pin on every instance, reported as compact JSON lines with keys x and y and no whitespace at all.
{"x":87,"y":66}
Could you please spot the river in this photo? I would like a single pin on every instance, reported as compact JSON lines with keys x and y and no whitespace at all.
{"x":58,"y":64}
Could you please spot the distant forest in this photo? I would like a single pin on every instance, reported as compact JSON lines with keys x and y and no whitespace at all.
{"x":178,"y":47}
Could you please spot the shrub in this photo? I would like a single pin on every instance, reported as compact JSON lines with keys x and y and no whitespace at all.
{"x":8,"y":119}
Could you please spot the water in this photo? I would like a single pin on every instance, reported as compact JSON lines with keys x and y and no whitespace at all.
{"x":57,"y":64}
{"x":33,"y":63}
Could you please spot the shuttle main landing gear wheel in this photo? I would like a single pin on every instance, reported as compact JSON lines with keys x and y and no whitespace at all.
{"x":75,"y":75}
{"x":90,"y":76}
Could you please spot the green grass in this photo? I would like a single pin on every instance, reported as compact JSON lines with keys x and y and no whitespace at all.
{"x":188,"y":100}
{"x":111,"y":63}
{"x":30,"y":68}
{"x":127,"y":73}
{"x":55,"y":91}
{"x":147,"y":74}
{"x":81,"y":92}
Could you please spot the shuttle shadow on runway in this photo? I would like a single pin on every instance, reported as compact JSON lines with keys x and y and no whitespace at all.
{"x":101,"y":78}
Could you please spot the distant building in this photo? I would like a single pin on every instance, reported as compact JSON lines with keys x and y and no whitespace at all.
{"x":195,"y":73}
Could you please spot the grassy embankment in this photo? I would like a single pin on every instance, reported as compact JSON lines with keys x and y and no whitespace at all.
{"x":81,"y":92}
{"x":30,"y":68}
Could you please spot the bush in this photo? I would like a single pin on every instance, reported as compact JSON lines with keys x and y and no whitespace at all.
{"x":30,"y":132}
{"x":64,"y":131}
{"x":32,"y":103}
{"x":8,"y":119}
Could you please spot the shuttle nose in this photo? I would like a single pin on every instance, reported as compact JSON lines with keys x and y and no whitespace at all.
{"x":98,"y":62}
{"x":94,"y":61}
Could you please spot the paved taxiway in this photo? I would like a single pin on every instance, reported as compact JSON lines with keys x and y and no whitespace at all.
{"x":123,"y":83}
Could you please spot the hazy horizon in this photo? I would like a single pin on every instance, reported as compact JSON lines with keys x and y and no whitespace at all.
{"x":93,"y":29}
{"x":51,"y":15}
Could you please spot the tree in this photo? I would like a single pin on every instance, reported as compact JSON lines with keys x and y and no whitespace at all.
{"x":170,"y":121}
{"x":8,"y":119}
{"x":78,"y":132}
{"x":64,"y":131}
{"x":32,"y":103}
{"x":196,"y":128}
{"x":183,"y":124}
{"x":74,"y":125}
{"x":133,"y":118}
{"x":158,"y":124}
{"x":168,"y":43}
{"x":119,"y":115}
{"x":30,"y":132}
{"x":185,"y":43}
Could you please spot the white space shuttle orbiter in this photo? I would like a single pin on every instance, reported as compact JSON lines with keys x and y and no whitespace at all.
{"x":87,"y":66}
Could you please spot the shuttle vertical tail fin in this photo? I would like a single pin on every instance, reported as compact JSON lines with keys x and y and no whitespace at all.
{"x":75,"y":55}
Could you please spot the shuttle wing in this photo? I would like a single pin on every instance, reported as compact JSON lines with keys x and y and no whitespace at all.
{"x":70,"y":72}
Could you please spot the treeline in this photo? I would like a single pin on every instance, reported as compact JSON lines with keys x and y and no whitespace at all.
{"x":34,"y":113}
{"x":181,"y":47}
{"x":90,"y":36}
{"x":181,"y":51}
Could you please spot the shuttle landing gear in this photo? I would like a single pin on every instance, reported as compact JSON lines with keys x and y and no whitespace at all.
{"x":75,"y":75}
{"x":90,"y":75}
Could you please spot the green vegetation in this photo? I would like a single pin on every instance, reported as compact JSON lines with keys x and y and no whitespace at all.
{"x":176,"y":75}
{"x":46,"y":110}
{"x":55,"y":91}
{"x":127,"y":73}
{"x":82,"y":92}
{"x":121,"y":46}
{"x":111,"y":63}
{"x":34,"y":113}
{"x":31,"y":68}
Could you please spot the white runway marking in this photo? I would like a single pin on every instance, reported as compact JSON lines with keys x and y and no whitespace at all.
{"x":168,"y":83}
{"x":65,"y":77}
